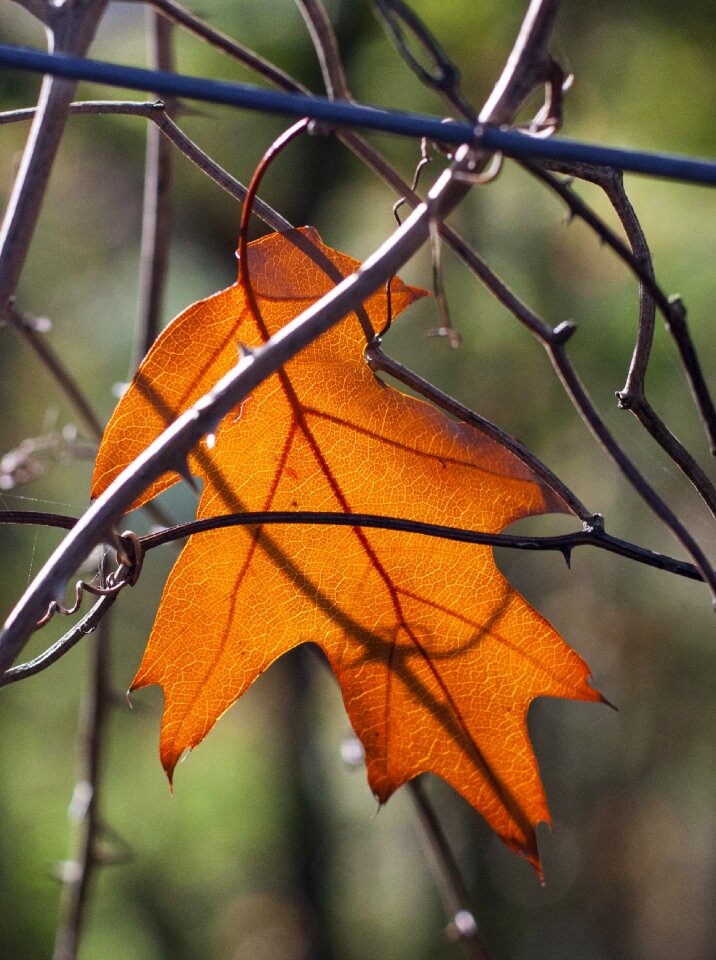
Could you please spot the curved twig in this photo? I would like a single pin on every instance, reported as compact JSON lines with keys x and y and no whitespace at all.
{"x":180,"y":15}
{"x":88,"y":624}
{"x":446,"y":76}
{"x":633,"y":394}
{"x":673,"y":310}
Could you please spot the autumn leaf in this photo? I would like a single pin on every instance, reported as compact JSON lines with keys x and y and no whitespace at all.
{"x":438,"y":657}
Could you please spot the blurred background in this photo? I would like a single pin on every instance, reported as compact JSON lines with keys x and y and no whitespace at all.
{"x":271,"y":847}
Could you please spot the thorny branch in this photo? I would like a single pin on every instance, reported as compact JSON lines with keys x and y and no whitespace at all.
{"x":171,"y":448}
{"x":593,"y":535}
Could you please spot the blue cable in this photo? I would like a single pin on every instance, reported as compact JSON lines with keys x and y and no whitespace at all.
{"x":341,"y":113}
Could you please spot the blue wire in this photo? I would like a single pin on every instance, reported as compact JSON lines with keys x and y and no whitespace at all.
{"x":335,"y":112}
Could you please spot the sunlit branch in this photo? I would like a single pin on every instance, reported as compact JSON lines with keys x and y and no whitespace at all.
{"x":70,"y":29}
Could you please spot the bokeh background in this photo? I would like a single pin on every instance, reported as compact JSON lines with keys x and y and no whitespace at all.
{"x":270,"y":846}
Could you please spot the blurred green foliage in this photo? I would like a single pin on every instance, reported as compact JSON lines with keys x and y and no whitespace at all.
{"x":269,"y":848}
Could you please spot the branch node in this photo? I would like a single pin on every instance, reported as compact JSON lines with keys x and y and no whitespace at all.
{"x":562,"y":332}
{"x":677,"y":313}
{"x":625,"y":399}
{"x":318,"y":128}
{"x":594,"y":525}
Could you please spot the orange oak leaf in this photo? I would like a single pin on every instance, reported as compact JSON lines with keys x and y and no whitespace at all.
{"x":438,"y":657}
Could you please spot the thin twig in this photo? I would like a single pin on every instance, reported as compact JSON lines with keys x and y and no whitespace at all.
{"x":71,"y":26}
{"x":64,"y":379}
{"x":325,"y":44}
{"x":672,"y":310}
{"x":155,"y":112}
{"x":453,"y":891}
{"x":633,"y":395}
{"x":88,"y":624}
{"x":182,"y":16}
{"x":62,"y":376}
{"x":528,"y":66}
{"x":583,"y":403}
{"x":592,"y":534}
{"x":78,"y":871}
{"x":157,"y":206}
{"x":379,"y":361}
{"x":446,"y":76}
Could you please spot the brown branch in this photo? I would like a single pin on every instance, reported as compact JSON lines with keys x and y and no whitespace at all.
{"x":325,"y":44}
{"x":71,"y":26}
{"x":453,"y":891}
{"x":446,"y":76}
{"x":157,"y":206}
{"x":672,"y":309}
{"x":529,"y":64}
{"x":599,"y":430}
{"x":180,"y":15}
{"x":78,"y":871}
{"x":379,"y":361}
{"x":155,"y":112}
{"x":633,"y":395}
{"x":27,"y":329}
{"x":593,"y":535}
{"x":88,"y":624}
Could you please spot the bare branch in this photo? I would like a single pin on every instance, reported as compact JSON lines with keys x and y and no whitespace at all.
{"x":72,"y":27}
{"x":28,"y":331}
{"x":633,"y":395}
{"x":592,"y":534}
{"x":156,"y":212}
{"x":272,"y":73}
{"x":590,"y":416}
{"x":456,"y":900}
{"x":78,"y":871}
{"x":446,"y":76}
{"x":155,"y":112}
{"x":672,"y":310}
{"x":379,"y":361}
{"x":326,"y":46}
{"x":528,"y":66}
{"x":88,"y":624}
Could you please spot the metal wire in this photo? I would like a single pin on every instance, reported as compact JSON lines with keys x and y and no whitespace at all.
{"x":512,"y":143}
